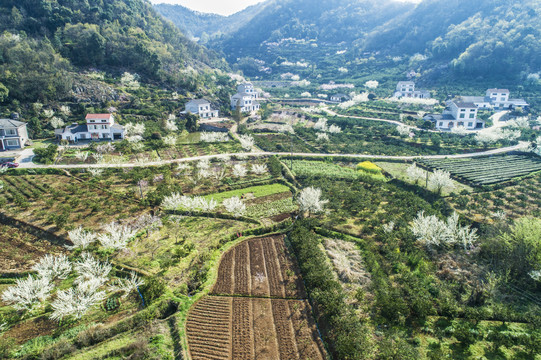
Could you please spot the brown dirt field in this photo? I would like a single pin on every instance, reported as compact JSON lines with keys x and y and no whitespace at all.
{"x":252,"y":328}
{"x":255,"y":326}
{"x":19,"y":251}
{"x":259,"y":267}
{"x":24,"y":331}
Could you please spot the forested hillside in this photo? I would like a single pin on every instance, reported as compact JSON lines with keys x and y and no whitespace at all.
{"x":480,"y":37}
{"x":203,"y":26}
{"x":45,"y":43}
{"x":493,"y":39}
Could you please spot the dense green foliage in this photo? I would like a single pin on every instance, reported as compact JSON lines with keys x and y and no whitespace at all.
{"x":493,"y":39}
{"x":43,"y":41}
{"x":346,"y":337}
{"x":206,"y":26}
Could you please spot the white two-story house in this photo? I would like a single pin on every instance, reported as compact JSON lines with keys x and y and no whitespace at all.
{"x":457,"y":114}
{"x":97,"y":127}
{"x":497,"y":99}
{"x":13,"y":134}
{"x":407,"y":89}
{"x":202,"y":108}
{"x":245,"y":98}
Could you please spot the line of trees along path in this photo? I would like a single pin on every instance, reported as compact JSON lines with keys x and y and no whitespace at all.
{"x":522,"y":146}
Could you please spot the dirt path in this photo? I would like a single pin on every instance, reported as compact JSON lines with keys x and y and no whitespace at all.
{"x":522,"y":146}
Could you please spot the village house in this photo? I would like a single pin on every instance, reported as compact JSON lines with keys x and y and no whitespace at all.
{"x":202,"y":108}
{"x":457,"y":114}
{"x":339,"y":98}
{"x":97,"y":127}
{"x":245,"y":98}
{"x":497,"y":99}
{"x":13,"y":134}
{"x":407,"y":89}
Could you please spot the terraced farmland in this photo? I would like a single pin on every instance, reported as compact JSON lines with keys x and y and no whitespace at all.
{"x":271,"y":320}
{"x":487,"y":170}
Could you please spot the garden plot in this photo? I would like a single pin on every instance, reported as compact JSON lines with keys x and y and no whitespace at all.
{"x":21,"y":250}
{"x":488,"y":170}
{"x":255,"y":326}
{"x":259,"y":267}
{"x":304,"y":168}
{"x":261,"y":201}
{"x":56,"y":202}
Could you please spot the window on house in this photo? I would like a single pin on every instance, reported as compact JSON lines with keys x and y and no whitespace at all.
{"x":12,"y":142}
{"x":104,"y":126}
{"x":11,"y":132}
{"x":470,"y":124}
{"x":441,"y":123}
{"x":472,"y":116}
{"x":462,"y":116}
{"x":92,"y":121}
{"x":462,"y":109}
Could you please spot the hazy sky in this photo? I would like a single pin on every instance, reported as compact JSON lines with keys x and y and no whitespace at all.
{"x":223,"y":7}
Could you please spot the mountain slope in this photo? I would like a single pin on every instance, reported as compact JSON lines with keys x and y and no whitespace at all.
{"x":44,"y":41}
{"x":480,"y":37}
{"x":204,"y":26}
{"x":493,"y":39}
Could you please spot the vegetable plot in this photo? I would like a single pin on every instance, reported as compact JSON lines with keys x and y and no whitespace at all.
{"x":487,"y":170}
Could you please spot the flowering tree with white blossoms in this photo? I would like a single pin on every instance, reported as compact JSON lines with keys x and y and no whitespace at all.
{"x":371,"y":84}
{"x":415,"y":173}
{"x":310,"y":201}
{"x":56,"y":122}
{"x":170,"y":124}
{"x":235,"y":206}
{"x":80,"y":238}
{"x":321,"y":124}
{"x":239,"y":170}
{"x":105,"y":148}
{"x":28,"y":292}
{"x":170,"y":140}
{"x":259,"y":169}
{"x":403,"y":130}
{"x":95,"y":172}
{"x":431,"y":231}
{"x":127,"y":285}
{"x":247,"y":142}
{"x":335,"y":129}
{"x":212,"y":137}
{"x":322,"y":137}
{"x":53,"y":267}
{"x":116,"y":236}
{"x":439,"y":180}
{"x":129,"y":81}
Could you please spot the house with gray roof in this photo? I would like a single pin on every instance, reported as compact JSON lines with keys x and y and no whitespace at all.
{"x":407,"y":89}
{"x":457,"y":114}
{"x":246,"y":98}
{"x":201,"y":107}
{"x":496,"y":99}
{"x":339,"y":98}
{"x":96,"y":127}
{"x":13,"y":134}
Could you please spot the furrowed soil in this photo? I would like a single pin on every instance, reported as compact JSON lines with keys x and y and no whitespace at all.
{"x":261,"y":312}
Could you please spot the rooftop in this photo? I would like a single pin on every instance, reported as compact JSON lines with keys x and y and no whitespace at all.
{"x":499,"y":90}
{"x":98,"y":116}
{"x":199,"y":101}
{"x":462,"y":105}
{"x":8,"y":123}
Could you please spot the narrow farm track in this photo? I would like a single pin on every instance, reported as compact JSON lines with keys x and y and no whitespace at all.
{"x":520,"y":147}
{"x":252,"y":313}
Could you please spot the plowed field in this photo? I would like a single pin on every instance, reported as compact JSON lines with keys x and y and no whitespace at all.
{"x":270,"y":320}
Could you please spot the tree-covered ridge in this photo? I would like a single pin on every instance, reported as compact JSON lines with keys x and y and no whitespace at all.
{"x":205,"y":26}
{"x":478,"y":37}
{"x":114,"y":35}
